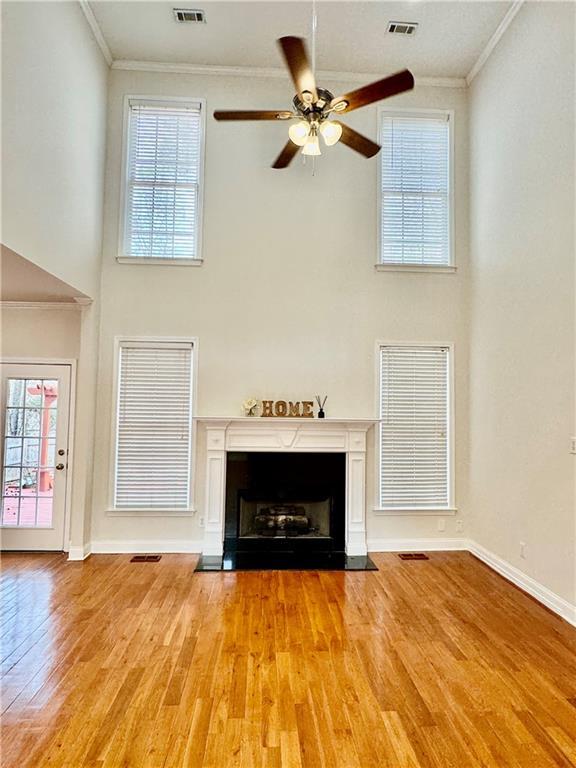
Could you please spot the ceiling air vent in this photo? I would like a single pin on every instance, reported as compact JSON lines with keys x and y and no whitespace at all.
{"x":402,"y":27}
{"x":189,"y":16}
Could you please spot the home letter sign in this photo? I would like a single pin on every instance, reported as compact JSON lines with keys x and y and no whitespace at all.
{"x":281,"y":409}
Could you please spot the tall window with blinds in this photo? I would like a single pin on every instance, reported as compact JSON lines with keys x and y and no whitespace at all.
{"x":415,"y":439}
{"x":163,"y":180}
{"x":415,"y":205}
{"x":153,"y":426}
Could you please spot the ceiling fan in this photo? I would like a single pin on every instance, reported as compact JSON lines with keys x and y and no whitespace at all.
{"x":314,"y":107}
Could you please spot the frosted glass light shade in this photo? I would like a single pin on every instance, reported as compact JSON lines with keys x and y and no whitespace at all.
{"x":312,"y":146}
{"x":331,"y":132}
{"x":299,"y":132}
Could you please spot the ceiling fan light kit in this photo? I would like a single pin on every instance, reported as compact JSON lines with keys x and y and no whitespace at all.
{"x":313,"y":108}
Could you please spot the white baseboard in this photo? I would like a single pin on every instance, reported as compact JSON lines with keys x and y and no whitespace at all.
{"x":416,"y":545}
{"x":79,"y":553}
{"x":544,"y":595}
{"x":146,"y":546}
{"x":550,"y":599}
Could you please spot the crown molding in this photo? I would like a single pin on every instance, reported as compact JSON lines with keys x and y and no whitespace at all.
{"x":83,"y":301}
{"x":181,"y":68}
{"x":494,"y":40}
{"x":68,"y":306}
{"x":96,"y":31}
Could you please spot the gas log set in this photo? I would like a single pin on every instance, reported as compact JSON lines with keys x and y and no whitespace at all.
{"x":282,"y":519}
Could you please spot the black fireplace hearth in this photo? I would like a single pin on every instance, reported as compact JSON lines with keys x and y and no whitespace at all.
{"x":278,"y":561}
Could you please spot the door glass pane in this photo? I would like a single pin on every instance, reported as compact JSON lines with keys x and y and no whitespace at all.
{"x":13,"y":452}
{"x":14,"y":421}
{"x":50,"y":393}
{"x":32,"y":422}
{"x":27,"y":515}
{"x":10,"y":506}
{"x":16,"y":393}
{"x":11,"y":481}
{"x":46,"y":485}
{"x":48,"y":422}
{"x":48,"y":454}
{"x":33,"y":394}
{"x":29,"y":453}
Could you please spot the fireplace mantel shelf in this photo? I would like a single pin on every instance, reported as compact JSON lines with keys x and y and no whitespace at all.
{"x":282,"y":420}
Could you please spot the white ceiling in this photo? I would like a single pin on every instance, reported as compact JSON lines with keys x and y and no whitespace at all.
{"x":351,"y":36}
{"x":21,"y":280}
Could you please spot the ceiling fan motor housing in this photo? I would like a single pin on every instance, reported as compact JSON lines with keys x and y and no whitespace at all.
{"x":316,"y":109}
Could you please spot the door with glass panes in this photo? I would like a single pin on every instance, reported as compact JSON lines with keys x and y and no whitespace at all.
{"x":35,"y":412}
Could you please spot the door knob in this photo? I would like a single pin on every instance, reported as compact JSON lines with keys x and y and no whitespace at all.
{"x":59,"y":466}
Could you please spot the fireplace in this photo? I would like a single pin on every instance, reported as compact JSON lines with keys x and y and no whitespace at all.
{"x":305,"y":448}
{"x":288,"y":504}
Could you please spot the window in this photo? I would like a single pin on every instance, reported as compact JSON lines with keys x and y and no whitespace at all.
{"x":153,"y":426}
{"x":163,"y":179}
{"x":415,"y":434}
{"x":415,"y":209}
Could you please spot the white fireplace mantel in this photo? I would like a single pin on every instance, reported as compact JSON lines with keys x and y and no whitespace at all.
{"x":285,"y":435}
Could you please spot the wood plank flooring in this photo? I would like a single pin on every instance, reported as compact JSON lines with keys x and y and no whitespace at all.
{"x":433,"y":664}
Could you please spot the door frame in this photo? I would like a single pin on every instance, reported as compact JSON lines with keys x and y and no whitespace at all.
{"x":72,"y":364}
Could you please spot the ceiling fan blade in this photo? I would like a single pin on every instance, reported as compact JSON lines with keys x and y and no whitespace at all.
{"x":253,"y":114}
{"x":297,"y":62}
{"x":381,"y":89}
{"x":285,"y":157}
{"x":357,"y":142}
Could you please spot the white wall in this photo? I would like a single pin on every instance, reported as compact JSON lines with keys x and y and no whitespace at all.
{"x":522,"y":287}
{"x":54,"y":81}
{"x":287,"y":303}
{"x":54,"y":102}
{"x":40,"y":333}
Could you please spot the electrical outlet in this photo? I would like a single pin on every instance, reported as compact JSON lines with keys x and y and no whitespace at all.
{"x":459,"y":526}
{"x":573,"y":445}
{"x":441,"y":524}
{"x":523,"y":550}
{"x":201,"y":522}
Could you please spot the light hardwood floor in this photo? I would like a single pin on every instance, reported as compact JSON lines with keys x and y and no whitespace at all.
{"x":434,"y":664}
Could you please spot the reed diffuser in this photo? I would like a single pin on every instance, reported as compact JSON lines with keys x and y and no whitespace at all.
{"x":321,"y":403}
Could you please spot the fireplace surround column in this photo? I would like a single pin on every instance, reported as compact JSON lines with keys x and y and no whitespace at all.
{"x":356,"y":494}
{"x":215,"y":489}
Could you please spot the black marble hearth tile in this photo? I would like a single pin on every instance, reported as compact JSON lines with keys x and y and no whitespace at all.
{"x":256,"y":561}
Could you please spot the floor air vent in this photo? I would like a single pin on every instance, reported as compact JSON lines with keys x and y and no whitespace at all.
{"x":413,"y":556}
{"x":402,"y":27}
{"x":145,"y":558}
{"x":189,"y":16}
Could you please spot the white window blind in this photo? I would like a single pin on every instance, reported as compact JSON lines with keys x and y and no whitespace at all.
{"x":163,"y":180}
{"x":414,"y":427}
{"x":153,"y":435}
{"x":415,"y":194}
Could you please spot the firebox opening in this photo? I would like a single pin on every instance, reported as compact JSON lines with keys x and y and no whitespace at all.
{"x":285,"y":502}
